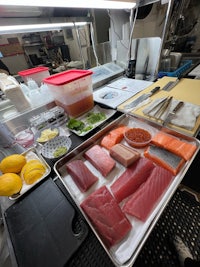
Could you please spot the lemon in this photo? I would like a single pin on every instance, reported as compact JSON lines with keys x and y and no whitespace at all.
{"x":10,"y":184}
{"x":47,"y":134}
{"x":12,"y":164}
{"x":33,"y":175}
{"x":32,"y":171}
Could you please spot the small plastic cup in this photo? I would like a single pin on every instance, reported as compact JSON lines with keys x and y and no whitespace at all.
{"x":24,"y":136}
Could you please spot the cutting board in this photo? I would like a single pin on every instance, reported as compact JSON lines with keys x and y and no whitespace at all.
{"x":187,"y":90}
{"x":42,"y":228}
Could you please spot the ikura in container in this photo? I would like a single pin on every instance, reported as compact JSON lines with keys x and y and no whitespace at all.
{"x":137,"y":137}
{"x":37,"y":74}
{"x":72,"y":90}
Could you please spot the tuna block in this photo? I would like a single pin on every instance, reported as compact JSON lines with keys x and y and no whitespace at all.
{"x":129,"y":181}
{"x":100,"y":160}
{"x":124,"y":154}
{"x":145,"y":198}
{"x":81,"y":175}
{"x":106,"y":216}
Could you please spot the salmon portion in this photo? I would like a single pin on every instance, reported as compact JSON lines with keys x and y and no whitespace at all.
{"x":175,"y":145}
{"x":164,"y":158}
{"x":113,"y":137}
{"x":106,"y":216}
{"x":142,"y":202}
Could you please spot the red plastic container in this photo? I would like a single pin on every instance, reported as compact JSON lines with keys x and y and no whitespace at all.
{"x":72,"y":90}
{"x":37,"y":74}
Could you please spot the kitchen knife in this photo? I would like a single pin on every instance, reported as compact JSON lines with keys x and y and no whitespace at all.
{"x":141,"y":98}
{"x":172,"y":113}
{"x":170,"y":85}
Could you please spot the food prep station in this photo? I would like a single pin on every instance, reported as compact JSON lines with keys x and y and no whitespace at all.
{"x":58,"y":175}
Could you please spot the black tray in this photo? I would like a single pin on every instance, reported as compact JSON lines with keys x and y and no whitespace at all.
{"x":43,"y":228}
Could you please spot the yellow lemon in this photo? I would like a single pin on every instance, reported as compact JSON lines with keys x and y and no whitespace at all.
{"x":32,"y":171}
{"x":33,"y":175}
{"x":12,"y":163}
{"x":10,"y":184}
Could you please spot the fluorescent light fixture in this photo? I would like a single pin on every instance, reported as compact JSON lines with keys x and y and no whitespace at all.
{"x":103,"y":4}
{"x":38,"y":27}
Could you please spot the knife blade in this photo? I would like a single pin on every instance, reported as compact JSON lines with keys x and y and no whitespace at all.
{"x":141,"y":98}
{"x":170,"y":85}
{"x":172,"y":113}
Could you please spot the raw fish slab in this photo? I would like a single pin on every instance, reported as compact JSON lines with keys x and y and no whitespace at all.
{"x":106,"y":216}
{"x":144,"y":199}
{"x":101,"y":160}
{"x":81,"y":175}
{"x":165,"y":158}
{"x":131,"y":179}
{"x":175,"y":145}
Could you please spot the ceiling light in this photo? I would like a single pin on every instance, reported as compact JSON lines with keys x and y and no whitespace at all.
{"x":103,"y":4}
{"x":38,"y":27}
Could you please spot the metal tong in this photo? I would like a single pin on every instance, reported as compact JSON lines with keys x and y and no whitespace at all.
{"x":161,"y":107}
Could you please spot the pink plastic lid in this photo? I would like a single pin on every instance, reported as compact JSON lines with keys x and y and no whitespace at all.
{"x":32,"y":71}
{"x":66,"y":76}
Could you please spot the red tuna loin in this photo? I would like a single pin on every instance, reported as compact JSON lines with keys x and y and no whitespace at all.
{"x":165,"y":158}
{"x":100,"y":160}
{"x":106,"y":216}
{"x":144,"y":199}
{"x":132,"y":178}
{"x":81,"y":175}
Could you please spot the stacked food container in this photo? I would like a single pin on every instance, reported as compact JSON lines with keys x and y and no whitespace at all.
{"x":72,"y":90}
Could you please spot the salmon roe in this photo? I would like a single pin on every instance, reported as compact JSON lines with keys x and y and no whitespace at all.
{"x":137,"y":137}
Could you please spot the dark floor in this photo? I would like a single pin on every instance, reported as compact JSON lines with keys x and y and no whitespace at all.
{"x":181,"y":217}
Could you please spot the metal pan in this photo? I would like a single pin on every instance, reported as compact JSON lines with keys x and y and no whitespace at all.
{"x":32,"y":153}
{"x":125,"y":253}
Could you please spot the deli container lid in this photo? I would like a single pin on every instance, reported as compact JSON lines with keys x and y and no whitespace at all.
{"x":66,"y":76}
{"x":32,"y":71}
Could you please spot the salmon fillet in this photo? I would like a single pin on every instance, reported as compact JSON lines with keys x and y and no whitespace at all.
{"x":106,"y":216}
{"x":144,"y":199}
{"x":175,"y":145}
{"x":164,"y":158}
{"x":113,"y":137}
{"x":132,"y":178}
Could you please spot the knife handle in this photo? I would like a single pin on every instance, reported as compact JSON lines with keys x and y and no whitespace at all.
{"x":179,"y":105}
{"x":153,"y":91}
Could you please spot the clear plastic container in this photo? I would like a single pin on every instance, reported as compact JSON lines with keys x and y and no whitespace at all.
{"x":37,"y":74}
{"x":72,"y":90}
{"x":10,"y":86}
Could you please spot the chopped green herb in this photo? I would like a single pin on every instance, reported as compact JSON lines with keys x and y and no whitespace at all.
{"x":87,"y":128}
{"x":93,"y":118}
{"x":75,"y":124}
{"x":59,"y":151}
